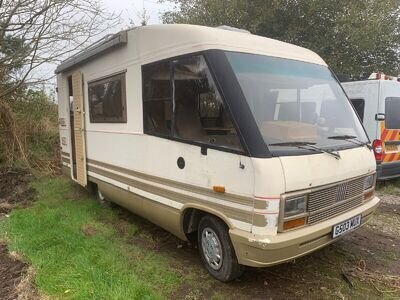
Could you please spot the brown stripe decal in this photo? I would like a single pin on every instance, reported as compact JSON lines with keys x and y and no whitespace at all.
{"x":66,"y":160}
{"x":183,"y":186}
{"x":230,"y":212}
{"x":259,"y":221}
{"x":66,"y":154}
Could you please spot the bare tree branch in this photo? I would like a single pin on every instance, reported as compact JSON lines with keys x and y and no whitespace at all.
{"x":36,"y":32}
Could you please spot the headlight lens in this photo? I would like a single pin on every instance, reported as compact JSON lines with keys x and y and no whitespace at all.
{"x":369,"y":182}
{"x":295,"y":206}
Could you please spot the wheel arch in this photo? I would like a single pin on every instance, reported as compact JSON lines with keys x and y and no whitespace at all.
{"x":192,"y":213}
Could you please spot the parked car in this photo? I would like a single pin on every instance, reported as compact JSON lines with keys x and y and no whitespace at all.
{"x":377,"y":102}
{"x":245,"y":145}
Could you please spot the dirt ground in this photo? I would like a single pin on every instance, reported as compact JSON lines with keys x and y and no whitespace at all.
{"x":15,"y":275}
{"x":364,"y":264}
{"x":15,"y":189}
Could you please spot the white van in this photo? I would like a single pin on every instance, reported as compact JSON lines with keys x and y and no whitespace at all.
{"x":245,"y":145}
{"x":377,"y":102}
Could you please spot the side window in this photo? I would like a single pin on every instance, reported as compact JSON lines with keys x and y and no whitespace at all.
{"x":107,"y":100}
{"x":200,"y":115}
{"x":180,"y":99}
{"x":392,"y":113}
{"x":359,"y":105}
{"x":157,"y":99}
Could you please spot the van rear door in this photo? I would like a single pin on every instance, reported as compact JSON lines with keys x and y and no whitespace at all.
{"x":390,"y":128}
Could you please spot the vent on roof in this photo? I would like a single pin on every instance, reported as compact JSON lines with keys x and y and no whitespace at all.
{"x":230,"y":28}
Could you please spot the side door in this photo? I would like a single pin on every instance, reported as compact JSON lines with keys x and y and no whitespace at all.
{"x":79,"y":128}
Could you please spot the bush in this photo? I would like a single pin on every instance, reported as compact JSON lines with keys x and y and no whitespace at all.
{"x":35,"y":123}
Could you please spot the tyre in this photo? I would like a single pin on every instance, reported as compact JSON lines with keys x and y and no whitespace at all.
{"x":216,"y":249}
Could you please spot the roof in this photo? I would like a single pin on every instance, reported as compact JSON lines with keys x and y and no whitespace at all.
{"x":163,"y":41}
{"x":101,"y":46}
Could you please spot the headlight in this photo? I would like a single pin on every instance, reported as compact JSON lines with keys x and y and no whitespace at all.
{"x":295,"y":206}
{"x":369,"y":182}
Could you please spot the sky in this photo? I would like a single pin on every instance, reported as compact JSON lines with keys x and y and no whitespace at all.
{"x":132,"y":9}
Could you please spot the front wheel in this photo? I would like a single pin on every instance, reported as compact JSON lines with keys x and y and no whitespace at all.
{"x":216,"y":249}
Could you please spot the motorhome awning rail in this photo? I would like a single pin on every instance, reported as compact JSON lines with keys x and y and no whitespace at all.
{"x":101,"y":46}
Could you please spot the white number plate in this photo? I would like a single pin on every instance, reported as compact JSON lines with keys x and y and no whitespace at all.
{"x":346,"y":226}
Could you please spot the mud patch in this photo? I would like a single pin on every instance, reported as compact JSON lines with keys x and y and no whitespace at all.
{"x":15,"y":277}
{"x":88,"y":230}
{"x":15,"y":189}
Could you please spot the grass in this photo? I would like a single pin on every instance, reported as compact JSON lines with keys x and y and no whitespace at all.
{"x":391,"y":187}
{"x":77,"y":254}
{"x":81,"y":250}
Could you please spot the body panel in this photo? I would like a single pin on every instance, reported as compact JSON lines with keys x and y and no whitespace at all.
{"x":320,"y":169}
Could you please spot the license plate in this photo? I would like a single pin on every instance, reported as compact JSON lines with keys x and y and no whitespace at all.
{"x":346,"y":226}
{"x":391,"y":148}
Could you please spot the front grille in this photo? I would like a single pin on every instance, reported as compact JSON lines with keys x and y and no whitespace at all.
{"x":326,"y":203}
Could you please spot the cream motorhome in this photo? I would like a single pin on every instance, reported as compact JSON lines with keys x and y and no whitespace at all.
{"x":377,"y":102}
{"x":244,"y":144}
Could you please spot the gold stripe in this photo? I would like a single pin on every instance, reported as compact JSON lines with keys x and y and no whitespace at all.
{"x":183,"y":186}
{"x":65,"y":154}
{"x":259,"y":220}
{"x":66,"y":160}
{"x":230,"y":212}
{"x":260,"y":204}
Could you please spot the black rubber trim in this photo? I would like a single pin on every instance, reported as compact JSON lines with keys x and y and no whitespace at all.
{"x":236,"y":103}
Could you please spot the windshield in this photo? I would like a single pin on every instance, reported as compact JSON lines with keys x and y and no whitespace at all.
{"x":294,"y":101}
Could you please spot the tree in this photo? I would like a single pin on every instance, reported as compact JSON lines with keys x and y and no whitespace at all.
{"x":355,"y":37}
{"x":35,"y":33}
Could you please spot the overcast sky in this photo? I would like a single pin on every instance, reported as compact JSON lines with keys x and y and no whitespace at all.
{"x":132,"y":9}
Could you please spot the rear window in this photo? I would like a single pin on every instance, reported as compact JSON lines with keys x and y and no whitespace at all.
{"x":359,"y":105}
{"x":392,"y":113}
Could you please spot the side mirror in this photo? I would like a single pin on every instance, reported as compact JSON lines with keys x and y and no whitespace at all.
{"x":380,"y":117}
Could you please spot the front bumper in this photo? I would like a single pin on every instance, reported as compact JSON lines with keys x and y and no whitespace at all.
{"x":387,"y":171}
{"x":264,"y":251}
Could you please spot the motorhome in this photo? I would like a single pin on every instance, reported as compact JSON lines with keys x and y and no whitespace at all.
{"x":242,"y":144}
{"x":377,"y":102}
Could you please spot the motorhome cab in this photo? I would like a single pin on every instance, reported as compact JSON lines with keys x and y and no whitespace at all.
{"x":377,"y":102}
{"x":244,"y":144}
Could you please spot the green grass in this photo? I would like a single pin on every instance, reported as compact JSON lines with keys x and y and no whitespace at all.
{"x":391,"y":187}
{"x":70,"y":264}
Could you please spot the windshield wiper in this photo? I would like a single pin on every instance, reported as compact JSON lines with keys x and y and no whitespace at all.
{"x":307,"y":146}
{"x":350,"y":138}
{"x":293,"y":144}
